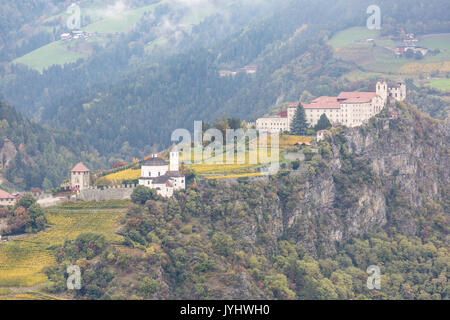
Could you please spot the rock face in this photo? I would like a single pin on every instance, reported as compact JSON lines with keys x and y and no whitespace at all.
{"x":7,"y":153}
{"x":375,"y":176}
{"x":407,"y":157}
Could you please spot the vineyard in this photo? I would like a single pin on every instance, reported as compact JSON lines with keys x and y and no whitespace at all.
{"x":215,"y":166}
{"x":22,"y":260}
{"x":128,"y":174}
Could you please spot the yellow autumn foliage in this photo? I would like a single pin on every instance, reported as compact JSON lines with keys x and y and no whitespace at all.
{"x":22,"y":260}
{"x":128,"y":174}
{"x":416,"y":67}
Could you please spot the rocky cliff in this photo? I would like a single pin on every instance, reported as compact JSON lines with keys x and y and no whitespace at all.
{"x":377,"y":176}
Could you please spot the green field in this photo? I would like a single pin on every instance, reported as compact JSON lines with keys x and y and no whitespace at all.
{"x":351,"y":36}
{"x":440,"y":84}
{"x":55,"y":53}
{"x":59,"y":53}
{"x":379,"y":59}
{"x":122,"y":23}
{"x":436,"y":41}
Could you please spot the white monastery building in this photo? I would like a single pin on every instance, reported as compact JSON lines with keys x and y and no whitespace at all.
{"x":79,"y":177}
{"x":351,"y":109}
{"x":158,"y":174}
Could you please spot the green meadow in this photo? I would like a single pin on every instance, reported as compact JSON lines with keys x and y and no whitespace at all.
{"x":55,"y":53}
{"x":440,"y":84}
{"x":351,"y":36}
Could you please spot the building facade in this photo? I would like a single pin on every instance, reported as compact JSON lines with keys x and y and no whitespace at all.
{"x":348,"y":108}
{"x":79,"y":177}
{"x":7,"y":199}
{"x":165,"y":178}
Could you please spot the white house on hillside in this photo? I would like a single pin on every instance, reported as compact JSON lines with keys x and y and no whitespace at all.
{"x":157,"y":174}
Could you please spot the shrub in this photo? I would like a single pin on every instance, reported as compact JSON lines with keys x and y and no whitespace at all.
{"x":142,"y":194}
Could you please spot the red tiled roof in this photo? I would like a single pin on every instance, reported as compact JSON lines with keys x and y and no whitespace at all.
{"x":357,"y":97}
{"x":6,"y":195}
{"x":80,"y":167}
{"x":282,"y":114}
{"x":35,"y":190}
{"x":323,"y":103}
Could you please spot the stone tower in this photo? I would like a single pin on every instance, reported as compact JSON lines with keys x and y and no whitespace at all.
{"x":174,"y":159}
{"x":397,"y":90}
{"x":382,"y":90}
{"x":79,"y":177}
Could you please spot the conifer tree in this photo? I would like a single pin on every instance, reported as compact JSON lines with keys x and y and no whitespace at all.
{"x":299,"y":124}
{"x":323,"y":123}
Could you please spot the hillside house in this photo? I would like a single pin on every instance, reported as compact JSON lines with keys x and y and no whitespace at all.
{"x":165,"y":178}
{"x":6,"y":199}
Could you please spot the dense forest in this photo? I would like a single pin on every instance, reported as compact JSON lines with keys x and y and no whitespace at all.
{"x":302,"y":234}
{"x":34,"y":156}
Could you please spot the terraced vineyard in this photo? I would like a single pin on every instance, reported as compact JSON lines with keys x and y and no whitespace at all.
{"x":22,"y":260}
{"x":216,"y":166}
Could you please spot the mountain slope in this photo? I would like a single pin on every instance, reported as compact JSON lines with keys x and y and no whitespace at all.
{"x":33,"y":156}
{"x":375,"y":195}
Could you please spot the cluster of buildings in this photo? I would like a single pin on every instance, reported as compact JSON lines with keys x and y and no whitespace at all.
{"x":410,"y":43}
{"x":76,"y":34}
{"x":165,"y":178}
{"x":351,"y":109}
{"x":156,"y":174}
{"x":246,"y":70}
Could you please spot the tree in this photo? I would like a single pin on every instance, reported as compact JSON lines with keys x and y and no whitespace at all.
{"x":299,"y":124}
{"x":323,"y":123}
{"x":26,"y":201}
{"x":409,"y":53}
{"x":142,"y":194}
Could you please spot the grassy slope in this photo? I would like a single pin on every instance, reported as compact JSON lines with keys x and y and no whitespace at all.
{"x":120,"y":24}
{"x":51,"y":54}
{"x":59,"y":53}
{"x":352,"y":35}
{"x":378,"y":60}
{"x":440,"y":84}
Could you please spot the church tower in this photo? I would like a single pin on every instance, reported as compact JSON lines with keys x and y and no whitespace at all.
{"x":174,"y":154}
{"x":382,"y":90}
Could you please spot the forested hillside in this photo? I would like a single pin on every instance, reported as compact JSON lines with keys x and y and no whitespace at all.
{"x":375,"y":195}
{"x":33,"y":156}
{"x":129,"y":100}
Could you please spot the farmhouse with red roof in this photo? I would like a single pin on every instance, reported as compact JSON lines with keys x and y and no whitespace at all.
{"x":6,"y":199}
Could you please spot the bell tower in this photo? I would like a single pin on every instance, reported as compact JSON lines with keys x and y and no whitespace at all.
{"x":174,"y":161}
